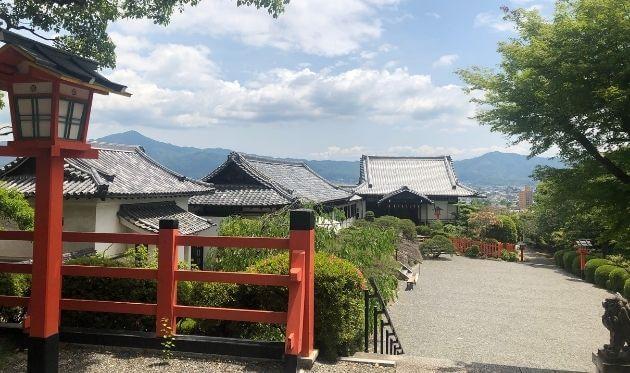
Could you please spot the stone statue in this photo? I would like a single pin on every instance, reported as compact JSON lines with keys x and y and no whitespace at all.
{"x":616,"y":319}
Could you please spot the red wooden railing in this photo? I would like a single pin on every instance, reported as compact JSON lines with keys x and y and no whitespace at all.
{"x":299,"y":318}
{"x":490,"y":249}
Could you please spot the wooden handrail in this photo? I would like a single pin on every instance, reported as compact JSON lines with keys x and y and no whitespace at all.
{"x":299,"y":318}
{"x":240,"y":242}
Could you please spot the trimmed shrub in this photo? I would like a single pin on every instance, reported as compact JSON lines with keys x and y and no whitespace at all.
{"x":567,"y":259}
{"x":423,"y":230}
{"x":575,"y":265}
{"x":16,"y":285}
{"x":369,"y":215}
{"x":558,"y":257}
{"x":591,"y":267}
{"x":338,"y":302}
{"x":436,"y":246}
{"x":509,"y":256}
{"x":602,"y":274}
{"x":405,"y":227}
{"x":617,"y":279}
{"x":626,"y":289}
{"x":472,"y":251}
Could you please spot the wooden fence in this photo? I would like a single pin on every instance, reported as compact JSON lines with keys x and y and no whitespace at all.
{"x":489,"y":249}
{"x":299,"y":317}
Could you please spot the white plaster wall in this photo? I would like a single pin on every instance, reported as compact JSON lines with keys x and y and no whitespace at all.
{"x":77,"y":216}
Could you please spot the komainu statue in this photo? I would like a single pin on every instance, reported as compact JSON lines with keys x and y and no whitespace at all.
{"x":616,"y":319}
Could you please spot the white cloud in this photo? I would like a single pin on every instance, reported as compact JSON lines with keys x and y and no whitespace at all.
{"x":176,"y":85}
{"x":337,"y":152}
{"x":445,"y":60}
{"x":320,"y":27}
{"x":433,"y":15}
{"x":494,"y":21}
{"x":424,"y":150}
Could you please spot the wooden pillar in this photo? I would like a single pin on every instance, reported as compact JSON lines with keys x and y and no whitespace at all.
{"x":301,"y":309}
{"x":167,"y":285}
{"x":43,"y":347}
{"x":302,"y":225}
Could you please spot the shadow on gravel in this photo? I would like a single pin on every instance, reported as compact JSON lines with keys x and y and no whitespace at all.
{"x":496,"y":368}
{"x":438,"y":259}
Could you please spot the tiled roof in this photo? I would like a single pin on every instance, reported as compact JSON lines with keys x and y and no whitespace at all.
{"x":147,"y":216}
{"x":428,"y":176}
{"x":291,"y":180}
{"x":120,"y":171}
{"x":405,"y":190}
{"x":240,"y":195}
{"x":61,"y":62}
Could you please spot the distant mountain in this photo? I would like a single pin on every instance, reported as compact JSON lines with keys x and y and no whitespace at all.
{"x":186,"y":160}
{"x":498,"y":168}
{"x":197,"y":163}
{"x":486,"y":170}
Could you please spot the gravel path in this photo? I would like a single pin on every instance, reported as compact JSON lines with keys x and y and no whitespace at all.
{"x":98,"y":359}
{"x":486,"y":311}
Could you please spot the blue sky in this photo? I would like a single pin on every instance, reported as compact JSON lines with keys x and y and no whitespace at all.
{"x":329,"y":79}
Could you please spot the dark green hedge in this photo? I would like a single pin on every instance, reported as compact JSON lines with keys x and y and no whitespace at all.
{"x":338,"y":301}
{"x":617,"y":280}
{"x":591,"y":267}
{"x":602,"y":274}
{"x":16,"y":285}
{"x":567,"y":259}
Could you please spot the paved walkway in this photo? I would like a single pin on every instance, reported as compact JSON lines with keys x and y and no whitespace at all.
{"x":476,"y":311}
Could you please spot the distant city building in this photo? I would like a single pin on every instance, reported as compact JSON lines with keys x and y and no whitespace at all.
{"x":525,"y":198}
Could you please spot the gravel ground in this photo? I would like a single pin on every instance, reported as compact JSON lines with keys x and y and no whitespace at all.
{"x":491,"y":312}
{"x":97,"y":359}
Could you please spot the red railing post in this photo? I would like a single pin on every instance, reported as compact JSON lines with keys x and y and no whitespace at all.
{"x":301,"y":309}
{"x":166,"y":283}
{"x":302,"y":237}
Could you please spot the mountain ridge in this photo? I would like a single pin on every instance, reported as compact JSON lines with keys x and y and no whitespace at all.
{"x":493,"y":168}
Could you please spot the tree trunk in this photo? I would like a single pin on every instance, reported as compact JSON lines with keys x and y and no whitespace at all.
{"x":591,"y":149}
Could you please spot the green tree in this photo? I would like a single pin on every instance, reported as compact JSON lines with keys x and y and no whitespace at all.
{"x":583,"y":201}
{"x":80,"y":26}
{"x":15,"y":208}
{"x":562,"y":82}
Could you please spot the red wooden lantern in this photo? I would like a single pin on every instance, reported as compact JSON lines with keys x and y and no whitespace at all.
{"x":50,"y":97}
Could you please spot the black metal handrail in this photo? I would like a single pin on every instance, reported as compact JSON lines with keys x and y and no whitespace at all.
{"x":389,"y":341}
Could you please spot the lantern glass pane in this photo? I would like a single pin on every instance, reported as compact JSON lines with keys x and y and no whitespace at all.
{"x":26,"y":128}
{"x":34,"y":116}
{"x":44,"y":128}
{"x":74,"y":131}
{"x":70,"y":119}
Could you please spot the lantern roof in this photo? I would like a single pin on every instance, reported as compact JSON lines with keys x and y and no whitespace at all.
{"x":60,"y":62}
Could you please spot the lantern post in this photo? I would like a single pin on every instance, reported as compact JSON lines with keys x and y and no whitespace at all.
{"x":583,"y":247}
{"x":50,"y":97}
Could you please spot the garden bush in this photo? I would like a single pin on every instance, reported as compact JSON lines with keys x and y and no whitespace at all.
{"x":437,"y":245}
{"x":509,"y":256}
{"x":602,"y":274}
{"x":626,"y":289}
{"x":575,"y":265}
{"x":617,"y":279}
{"x":369,"y":215}
{"x":405,"y":227}
{"x":567,"y":259}
{"x":472,"y":251}
{"x":338,"y":302}
{"x":558,"y":257}
{"x":591,"y":267}
{"x":423,"y":230}
{"x":16,"y":285}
